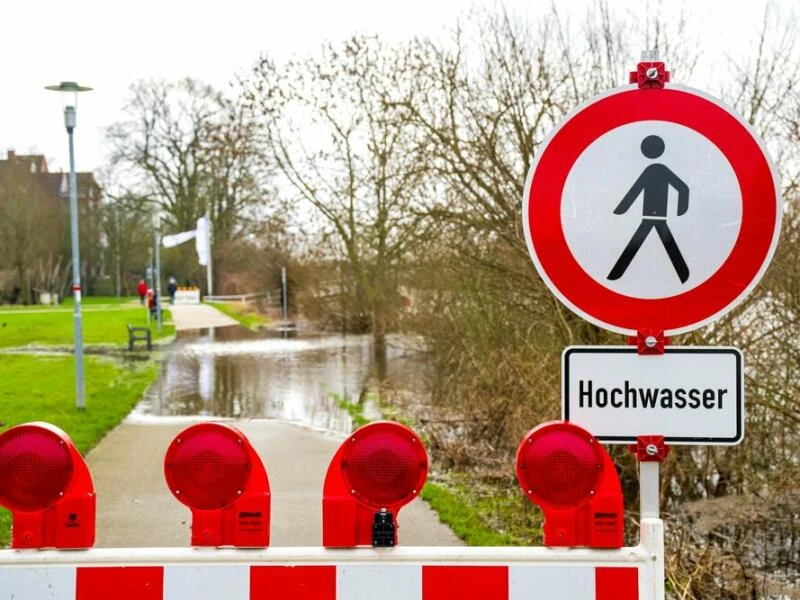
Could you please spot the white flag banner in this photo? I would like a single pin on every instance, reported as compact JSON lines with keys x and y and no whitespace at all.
{"x":176,"y":239}
{"x":202,"y":240}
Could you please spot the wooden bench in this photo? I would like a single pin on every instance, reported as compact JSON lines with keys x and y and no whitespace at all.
{"x":139,"y":334}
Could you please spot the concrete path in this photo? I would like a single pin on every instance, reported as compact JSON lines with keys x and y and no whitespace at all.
{"x":135,"y":508}
{"x":198,"y":316}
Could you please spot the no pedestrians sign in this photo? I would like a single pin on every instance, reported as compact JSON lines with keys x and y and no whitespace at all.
{"x":655,"y":209}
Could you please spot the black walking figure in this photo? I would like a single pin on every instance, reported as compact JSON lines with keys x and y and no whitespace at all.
{"x":654,"y":182}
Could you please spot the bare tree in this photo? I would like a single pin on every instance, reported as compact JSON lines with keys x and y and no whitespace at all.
{"x":188,"y":150}
{"x":128,"y":238}
{"x":330,"y":131}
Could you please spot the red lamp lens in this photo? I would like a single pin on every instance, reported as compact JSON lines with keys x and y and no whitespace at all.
{"x":35,"y":468}
{"x":207,"y":466}
{"x":560,"y":465}
{"x":385,"y":465}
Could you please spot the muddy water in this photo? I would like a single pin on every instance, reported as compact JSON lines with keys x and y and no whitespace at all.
{"x":233,"y":372}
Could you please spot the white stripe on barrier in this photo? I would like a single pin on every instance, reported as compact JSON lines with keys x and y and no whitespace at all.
{"x":37,"y":583}
{"x":575,"y":583}
{"x":382,"y":582}
{"x":198,"y":582}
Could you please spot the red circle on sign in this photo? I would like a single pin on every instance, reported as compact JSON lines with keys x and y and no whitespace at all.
{"x":733,"y":280}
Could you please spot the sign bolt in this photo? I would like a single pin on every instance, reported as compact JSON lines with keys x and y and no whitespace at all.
{"x":650,"y":341}
{"x":651,"y":449}
{"x":652,"y":73}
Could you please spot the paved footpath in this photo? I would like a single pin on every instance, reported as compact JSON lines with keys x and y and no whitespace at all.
{"x":135,"y":508}
{"x":198,"y":316}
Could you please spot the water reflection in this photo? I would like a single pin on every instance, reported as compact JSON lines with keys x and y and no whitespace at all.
{"x":233,"y":372}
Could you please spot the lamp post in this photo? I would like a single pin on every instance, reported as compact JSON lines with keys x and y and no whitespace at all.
{"x":157,"y":275}
{"x":70,"y":90}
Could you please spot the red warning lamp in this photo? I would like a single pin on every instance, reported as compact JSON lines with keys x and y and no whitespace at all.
{"x":45,"y":484}
{"x":564,"y":470}
{"x":213,"y":469}
{"x":379,"y":469}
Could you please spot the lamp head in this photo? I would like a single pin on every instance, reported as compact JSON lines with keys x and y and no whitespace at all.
{"x":69,"y":98}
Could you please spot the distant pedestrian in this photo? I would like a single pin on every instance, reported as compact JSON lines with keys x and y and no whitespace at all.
{"x":141,"y":289}
{"x":152,"y":303}
{"x":172,"y":287}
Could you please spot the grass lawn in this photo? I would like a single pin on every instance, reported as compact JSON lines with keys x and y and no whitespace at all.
{"x":41,"y":388}
{"x":247,"y":314}
{"x":106,"y":325}
{"x":465,"y":518}
{"x":66,"y":304}
{"x":101,"y":301}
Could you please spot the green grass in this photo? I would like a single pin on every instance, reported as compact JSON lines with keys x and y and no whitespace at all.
{"x":100,"y":326}
{"x":465,"y":519}
{"x":37,"y":388}
{"x":355,"y":410}
{"x":247,"y":315}
{"x":67,"y":303}
{"x":102,"y":301}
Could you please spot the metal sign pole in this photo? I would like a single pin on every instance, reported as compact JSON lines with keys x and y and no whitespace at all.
{"x":285,"y":290}
{"x":158,"y":274}
{"x":650,"y":452}
{"x":649,"y":489}
{"x":209,"y":277}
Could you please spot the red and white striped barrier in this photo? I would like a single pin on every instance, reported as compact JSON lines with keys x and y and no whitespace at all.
{"x":322,"y":582}
{"x":401,"y":573}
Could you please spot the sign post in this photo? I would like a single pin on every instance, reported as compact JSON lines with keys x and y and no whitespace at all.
{"x":652,"y":210}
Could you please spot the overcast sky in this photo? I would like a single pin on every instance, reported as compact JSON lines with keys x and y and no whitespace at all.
{"x":108,"y":44}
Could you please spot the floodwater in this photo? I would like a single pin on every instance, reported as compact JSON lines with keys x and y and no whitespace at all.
{"x":234,"y":372}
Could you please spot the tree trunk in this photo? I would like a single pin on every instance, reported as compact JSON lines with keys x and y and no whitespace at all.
{"x":379,"y":355}
{"x":24,"y":285}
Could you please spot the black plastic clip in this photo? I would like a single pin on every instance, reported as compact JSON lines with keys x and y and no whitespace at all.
{"x":383,"y":529}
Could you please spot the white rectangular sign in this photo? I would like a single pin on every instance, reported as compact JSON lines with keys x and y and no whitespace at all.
{"x":187,"y":296}
{"x":689,"y":394}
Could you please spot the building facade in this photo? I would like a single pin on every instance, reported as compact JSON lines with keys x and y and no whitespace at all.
{"x":35,"y":246}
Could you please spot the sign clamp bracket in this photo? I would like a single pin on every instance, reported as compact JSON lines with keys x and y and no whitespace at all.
{"x":650,"y":448}
{"x":649,"y":341}
{"x":649,"y":75}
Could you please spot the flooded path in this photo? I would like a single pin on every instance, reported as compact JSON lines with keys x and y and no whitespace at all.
{"x":235,"y":373}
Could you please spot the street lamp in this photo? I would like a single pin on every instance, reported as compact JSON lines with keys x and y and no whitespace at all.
{"x":70,"y":90}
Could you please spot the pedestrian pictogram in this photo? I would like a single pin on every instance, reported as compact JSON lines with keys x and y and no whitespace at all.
{"x":654,"y":183}
{"x":652,"y":209}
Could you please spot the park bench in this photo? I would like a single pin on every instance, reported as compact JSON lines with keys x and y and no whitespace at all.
{"x":139,"y":334}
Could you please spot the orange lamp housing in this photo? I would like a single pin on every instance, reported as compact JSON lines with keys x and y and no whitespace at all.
{"x":564,"y":470}
{"x":213,"y":469}
{"x":379,"y":469}
{"x":47,"y":487}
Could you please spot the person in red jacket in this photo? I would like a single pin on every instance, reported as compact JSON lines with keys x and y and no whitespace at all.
{"x":141,"y":289}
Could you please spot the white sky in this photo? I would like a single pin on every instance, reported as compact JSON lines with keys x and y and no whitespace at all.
{"x":108,"y":44}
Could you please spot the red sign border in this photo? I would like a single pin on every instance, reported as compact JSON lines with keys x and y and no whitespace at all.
{"x":735,"y":278}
